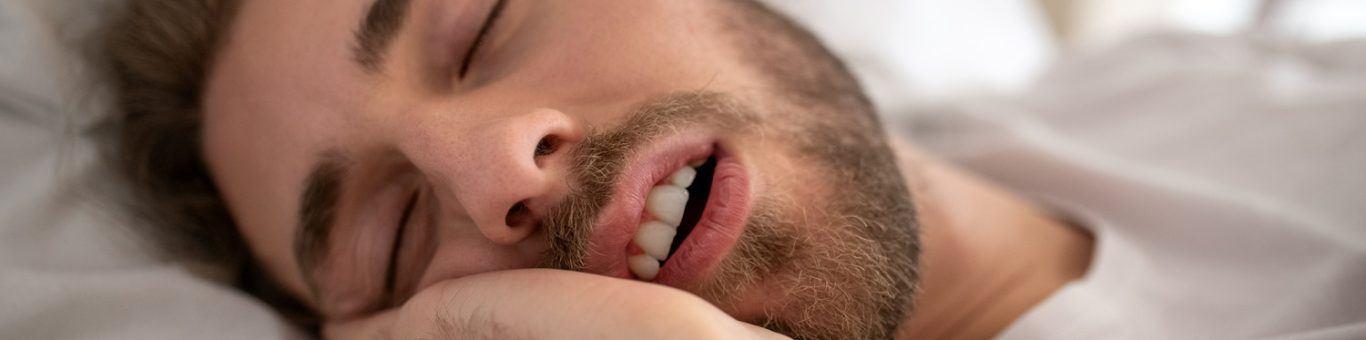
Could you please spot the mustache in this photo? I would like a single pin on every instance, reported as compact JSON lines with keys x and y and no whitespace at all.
{"x":600,"y":158}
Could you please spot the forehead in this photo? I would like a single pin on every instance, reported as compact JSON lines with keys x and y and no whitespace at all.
{"x":297,"y":56}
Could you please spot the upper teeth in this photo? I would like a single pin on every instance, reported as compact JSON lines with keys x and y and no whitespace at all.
{"x":666,"y":203}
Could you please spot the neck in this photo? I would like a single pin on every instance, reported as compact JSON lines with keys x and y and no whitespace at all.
{"x":988,"y":256}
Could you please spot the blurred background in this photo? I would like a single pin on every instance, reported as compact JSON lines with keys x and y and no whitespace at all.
{"x":933,"y":50}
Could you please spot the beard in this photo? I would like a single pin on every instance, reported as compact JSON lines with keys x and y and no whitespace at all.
{"x":840,"y":268}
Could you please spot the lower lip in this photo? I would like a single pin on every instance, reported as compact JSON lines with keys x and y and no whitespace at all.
{"x":717,"y":230}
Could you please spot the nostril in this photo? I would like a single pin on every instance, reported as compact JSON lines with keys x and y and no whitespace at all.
{"x":547,"y":146}
{"x":519,"y":215}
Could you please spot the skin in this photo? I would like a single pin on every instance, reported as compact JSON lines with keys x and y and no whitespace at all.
{"x":285,"y":90}
{"x":989,"y":254}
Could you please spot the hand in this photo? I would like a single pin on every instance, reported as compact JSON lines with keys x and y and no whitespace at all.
{"x":549,"y":304}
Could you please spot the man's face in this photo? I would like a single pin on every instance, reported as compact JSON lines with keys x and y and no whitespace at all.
{"x":367,"y":154}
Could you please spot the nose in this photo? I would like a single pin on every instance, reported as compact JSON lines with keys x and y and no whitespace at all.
{"x":504,"y":173}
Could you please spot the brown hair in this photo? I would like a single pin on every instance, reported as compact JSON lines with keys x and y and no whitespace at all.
{"x":160,"y":54}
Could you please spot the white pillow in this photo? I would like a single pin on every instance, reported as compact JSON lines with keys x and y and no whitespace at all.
{"x":70,"y":265}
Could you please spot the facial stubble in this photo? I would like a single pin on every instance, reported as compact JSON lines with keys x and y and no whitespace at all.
{"x":839,"y":268}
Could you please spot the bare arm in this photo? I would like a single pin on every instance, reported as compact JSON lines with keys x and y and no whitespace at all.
{"x":549,"y":304}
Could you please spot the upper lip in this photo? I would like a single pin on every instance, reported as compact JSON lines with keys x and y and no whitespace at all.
{"x":622,"y":216}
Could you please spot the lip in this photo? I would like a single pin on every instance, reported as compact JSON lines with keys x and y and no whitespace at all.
{"x":717,"y":230}
{"x":722,"y":221}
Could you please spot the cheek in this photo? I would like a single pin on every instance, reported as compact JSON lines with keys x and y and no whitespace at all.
{"x":609,"y":53}
{"x":463,"y":251}
{"x":782,"y":175}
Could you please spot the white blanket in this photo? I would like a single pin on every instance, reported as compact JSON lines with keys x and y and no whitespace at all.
{"x":1220,"y":176}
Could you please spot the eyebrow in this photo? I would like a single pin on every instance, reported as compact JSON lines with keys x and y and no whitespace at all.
{"x":382,"y":22}
{"x":317,"y":213}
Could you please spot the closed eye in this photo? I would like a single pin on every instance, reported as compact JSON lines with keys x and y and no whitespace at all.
{"x":479,"y":39}
{"x":391,"y":274}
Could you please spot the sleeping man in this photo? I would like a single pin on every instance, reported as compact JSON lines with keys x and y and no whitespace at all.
{"x":572,"y":169}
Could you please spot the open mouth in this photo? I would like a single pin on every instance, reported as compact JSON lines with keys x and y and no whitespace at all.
{"x":675,"y":206}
